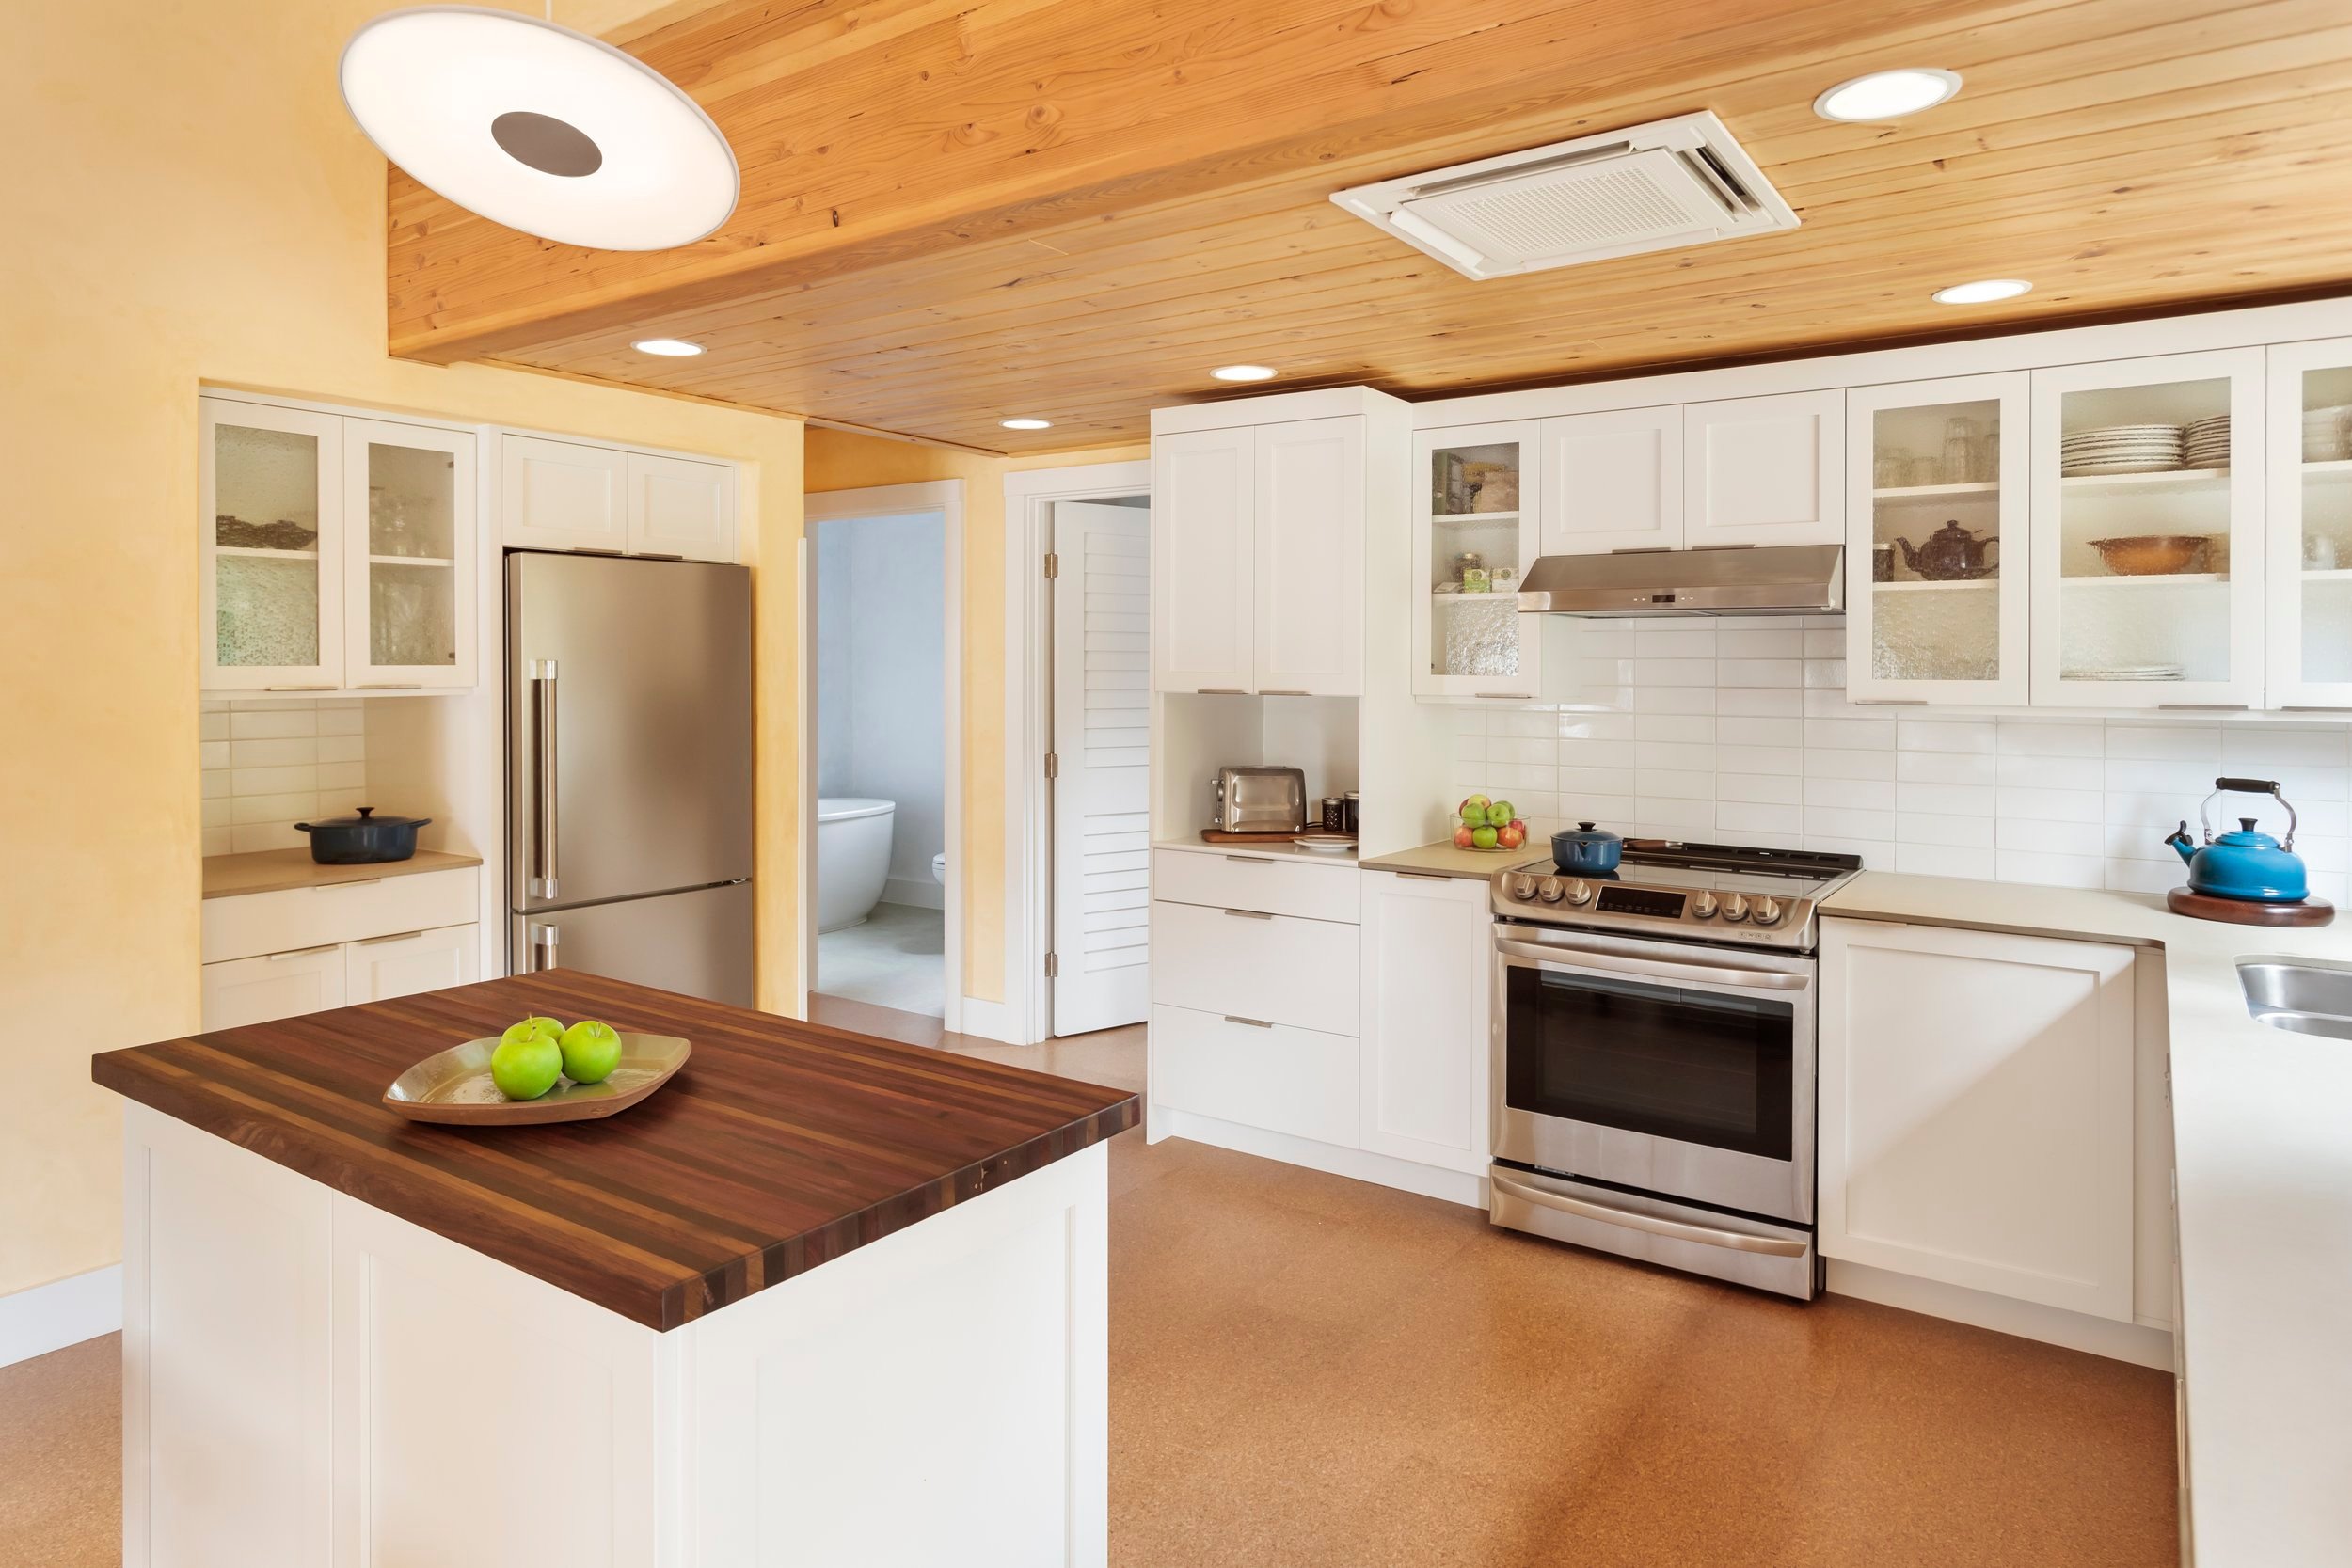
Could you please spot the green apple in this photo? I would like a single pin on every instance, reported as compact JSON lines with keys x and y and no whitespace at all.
{"x":526,"y":1068}
{"x":1473,"y":809}
{"x":592,"y":1049}
{"x":1500,"y":813}
{"x":1483,"y":837}
{"x":530,"y":1026}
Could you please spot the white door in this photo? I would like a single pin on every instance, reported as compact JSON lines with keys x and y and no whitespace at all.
{"x":1308,"y":631}
{"x":2309,"y":532}
{"x":274,"y":985}
{"x":380,"y":968}
{"x":562,"y":495}
{"x":679,"y":507}
{"x":408,"y":600}
{"x":1428,"y":980}
{"x":1102,"y":750}
{"x":272,"y":528}
{"x":1764,"y":470}
{"x":1612,"y":481}
{"x":1977,"y":1101}
{"x":1202,"y":562}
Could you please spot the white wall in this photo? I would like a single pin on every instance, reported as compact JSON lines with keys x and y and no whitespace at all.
{"x":880,"y":711}
{"x":1737,"y":731}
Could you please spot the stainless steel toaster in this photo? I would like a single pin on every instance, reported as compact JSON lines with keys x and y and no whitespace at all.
{"x":1261,"y":799}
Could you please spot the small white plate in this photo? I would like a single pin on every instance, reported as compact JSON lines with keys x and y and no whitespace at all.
{"x":1324,"y":844}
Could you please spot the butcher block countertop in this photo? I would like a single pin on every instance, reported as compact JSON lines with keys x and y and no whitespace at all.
{"x":781,"y":1144}
{"x":276,"y":870}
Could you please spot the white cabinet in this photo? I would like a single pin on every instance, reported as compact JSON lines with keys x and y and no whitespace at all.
{"x":1764,"y":470}
{"x":679,"y":506}
{"x":1429,"y":982}
{"x":1476,"y":530}
{"x":380,"y":968}
{"x":2309,"y":457}
{"x":2147,"y":570}
{"x":1612,"y":481}
{"x":274,"y":985}
{"x":1298,"y":1082}
{"x":1977,"y":1100}
{"x":1267,"y":967}
{"x":1203,"y":560}
{"x":409,"y":575}
{"x":576,"y":496}
{"x":1309,"y":557}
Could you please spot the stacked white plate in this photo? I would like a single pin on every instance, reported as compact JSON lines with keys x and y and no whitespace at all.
{"x":2328,"y":434}
{"x":2129,"y":672}
{"x":2205,"y":444}
{"x":2124,"y":448}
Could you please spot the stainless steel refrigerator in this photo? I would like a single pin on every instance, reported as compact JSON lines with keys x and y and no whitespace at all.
{"x":628,"y":729}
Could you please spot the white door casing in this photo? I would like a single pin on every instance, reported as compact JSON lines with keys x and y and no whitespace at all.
{"x":1102,"y":746}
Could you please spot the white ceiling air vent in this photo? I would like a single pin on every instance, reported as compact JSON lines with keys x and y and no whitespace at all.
{"x":1654,"y":187}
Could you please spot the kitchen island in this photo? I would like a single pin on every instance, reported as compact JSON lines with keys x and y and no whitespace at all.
{"x":822,"y":1299}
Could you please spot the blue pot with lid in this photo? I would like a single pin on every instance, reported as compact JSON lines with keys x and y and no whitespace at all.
{"x":1586,"y":850}
{"x":2244,"y":863}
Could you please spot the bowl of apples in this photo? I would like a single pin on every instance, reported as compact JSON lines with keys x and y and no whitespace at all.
{"x":1493,"y":826}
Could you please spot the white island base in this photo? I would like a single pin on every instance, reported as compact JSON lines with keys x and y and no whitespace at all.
{"x":310,"y":1382}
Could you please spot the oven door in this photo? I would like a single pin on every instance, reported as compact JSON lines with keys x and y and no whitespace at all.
{"x":1667,"y":1067}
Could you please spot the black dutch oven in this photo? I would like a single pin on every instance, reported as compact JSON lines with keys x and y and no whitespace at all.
{"x":363,"y":840}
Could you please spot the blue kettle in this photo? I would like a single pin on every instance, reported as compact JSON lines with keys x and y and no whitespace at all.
{"x":2243,"y":864}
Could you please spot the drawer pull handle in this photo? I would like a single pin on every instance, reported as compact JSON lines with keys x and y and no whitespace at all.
{"x":1888,"y":702}
{"x":350,"y":882}
{"x":305,"y":952}
{"x":1505,"y":696}
{"x":1424,"y":876}
{"x":1283,"y":692}
{"x":1248,"y":914}
{"x":1248,"y":1023}
{"x":403,"y":936}
{"x":1218,"y":691}
{"x":1252,"y":860}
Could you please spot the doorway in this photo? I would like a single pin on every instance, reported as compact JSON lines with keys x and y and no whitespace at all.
{"x":880,"y":736}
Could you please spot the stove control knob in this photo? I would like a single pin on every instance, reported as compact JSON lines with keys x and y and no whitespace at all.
{"x":1735,"y":908}
{"x":1704,"y":906}
{"x":1551,"y":890}
{"x":1522,"y":887}
{"x":1580,"y":893}
{"x":1768,"y":912}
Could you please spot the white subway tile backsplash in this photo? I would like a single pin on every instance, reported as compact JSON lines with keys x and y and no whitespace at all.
{"x":1863,"y":794}
{"x":272,"y":753}
{"x":1782,"y":789}
{"x":1759,"y":731}
{"x":1741,"y":818}
{"x":2049,"y":773}
{"x":246,"y":810}
{"x":266,"y":764}
{"x":1945,"y":860}
{"x":2051,"y":838}
{"x":1946,"y":800}
{"x":2199,"y":743}
{"x":2046,"y":738}
{"x":1669,"y":783}
{"x":1820,"y":763}
{"x":2017,"y":866}
{"x":1946,"y":767}
{"x":1517,"y":749}
{"x":2055,"y":805}
{"x":1766,"y":643}
{"x":2245,"y":746}
{"x":1850,"y":734}
{"x":212,"y":754}
{"x":1673,"y":699}
{"x":1842,"y":822}
{"x":1594,"y":726}
{"x":1944,"y":734}
{"x":348,"y":721}
{"x":1952,"y":832}
{"x":274,"y":723}
{"x":1597,"y":781}
{"x":1759,"y":672}
{"x":1674,"y":671}
{"x":1759,"y":702}
{"x":1683,"y":728}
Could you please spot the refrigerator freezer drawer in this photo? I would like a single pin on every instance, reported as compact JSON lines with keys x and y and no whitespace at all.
{"x":697,"y":942}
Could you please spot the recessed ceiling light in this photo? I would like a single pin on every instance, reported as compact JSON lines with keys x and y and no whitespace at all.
{"x":1026,"y":424}
{"x":1244,"y":372}
{"x":539,"y":128}
{"x":669,"y":348}
{"x":1983,"y":293}
{"x":1886,"y":95}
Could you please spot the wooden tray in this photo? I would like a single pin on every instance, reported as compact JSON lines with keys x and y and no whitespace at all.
{"x":1280,"y":835}
{"x":453,"y":1086}
{"x":2244,"y":911}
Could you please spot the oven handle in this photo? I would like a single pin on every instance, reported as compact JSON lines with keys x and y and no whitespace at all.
{"x":1707,"y":1235}
{"x":1745,"y":979}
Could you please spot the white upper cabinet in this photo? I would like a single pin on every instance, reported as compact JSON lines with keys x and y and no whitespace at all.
{"x":409,"y":572}
{"x":1764,"y":470}
{"x":273,"y":546}
{"x":1309,"y":557}
{"x":1204,"y":544}
{"x":1476,"y":530}
{"x":2147,"y":536}
{"x":1427,"y":977}
{"x":1936,"y":553}
{"x":2310,"y":568}
{"x":682,"y":507}
{"x":563,"y":495}
{"x":1612,"y":481}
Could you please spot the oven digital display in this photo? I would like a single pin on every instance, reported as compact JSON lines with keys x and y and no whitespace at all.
{"x":1637,"y":900}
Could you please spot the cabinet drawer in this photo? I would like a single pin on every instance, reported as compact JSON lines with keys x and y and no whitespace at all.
{"x":248,"y":924}
{"x":376,"y":968}
{"x":1271,"y":968}
{"x":1295,"y":1081}
{"x":282,"y":985}
{"x":1270,"y":884}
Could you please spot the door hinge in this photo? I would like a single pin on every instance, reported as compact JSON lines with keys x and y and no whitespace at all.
{"x":1052,"y":966}
{"x":1053,"y":564}
{"x":1053,"y":764}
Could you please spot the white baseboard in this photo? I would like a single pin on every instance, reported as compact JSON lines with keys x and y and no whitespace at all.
{"x":2027,"y":1320}
{"x":60,"y":1314}
{"x":991,"y":1020}
{"x":1453,"y":1186}
{"x":919,"y":892}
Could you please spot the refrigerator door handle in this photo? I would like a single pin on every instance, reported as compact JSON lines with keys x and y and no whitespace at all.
{"x":543,"y":808}
{"x":544,"y":939}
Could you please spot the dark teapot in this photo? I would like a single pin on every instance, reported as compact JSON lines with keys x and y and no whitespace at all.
{"x":1951,"y":554}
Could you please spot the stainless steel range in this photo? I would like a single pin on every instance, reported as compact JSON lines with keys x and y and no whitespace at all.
{"x":1654,"y":1035}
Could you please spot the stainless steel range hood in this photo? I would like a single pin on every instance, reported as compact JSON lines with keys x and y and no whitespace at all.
{"x":1774,"y":579}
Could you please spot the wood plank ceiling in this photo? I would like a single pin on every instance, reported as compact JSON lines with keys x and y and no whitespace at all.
{"x":955,"y":210}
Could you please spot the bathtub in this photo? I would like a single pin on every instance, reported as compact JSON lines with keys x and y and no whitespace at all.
{"x":853,"y":858}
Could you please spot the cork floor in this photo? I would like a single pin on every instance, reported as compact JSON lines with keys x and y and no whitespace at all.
{"x":1309,"y":1372}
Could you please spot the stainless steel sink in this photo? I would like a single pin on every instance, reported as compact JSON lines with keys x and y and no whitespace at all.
{"x":2302,"y":997}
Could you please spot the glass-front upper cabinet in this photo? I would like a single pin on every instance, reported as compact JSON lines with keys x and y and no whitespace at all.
{"x":2147,"y":553}
{"x":408,"y":600}
{"x":2310,"y":495}
{"x":273,"y":537}
{"x":1936,"y":557}
{"x":1475,"y":531}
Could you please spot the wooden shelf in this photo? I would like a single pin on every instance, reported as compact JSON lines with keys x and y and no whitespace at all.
{"x":1923,"y":586}
{"x":410,"y":560}
{"x":2163,"y":482}
{"x":255,"y":553}
{"x":1925,"y":495}
{"x":2174,"y":580}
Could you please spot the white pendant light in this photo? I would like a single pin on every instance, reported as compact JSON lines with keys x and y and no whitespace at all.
{"x":540,"y":128}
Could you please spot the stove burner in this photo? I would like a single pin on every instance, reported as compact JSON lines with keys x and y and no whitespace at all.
{"x":1708,"y":893}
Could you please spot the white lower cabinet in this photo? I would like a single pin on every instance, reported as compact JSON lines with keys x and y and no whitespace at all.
{"x":274,"y":985}
{"x":1976,"y":1103}
{"x":1271,"y":968}
{"x":380,"y":968}
{"x":1428,"y":985}
{"x":1295,"y":1081}
{"x":306,"y":949}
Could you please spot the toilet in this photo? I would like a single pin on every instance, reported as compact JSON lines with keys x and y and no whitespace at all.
{"x":853,"y":858}
{"x":939,"y":869}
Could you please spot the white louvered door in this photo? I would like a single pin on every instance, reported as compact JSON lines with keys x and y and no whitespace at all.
{"x":1102,"y":737}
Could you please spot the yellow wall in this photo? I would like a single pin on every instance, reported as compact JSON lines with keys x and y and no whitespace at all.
{"x":188,"y":202}
{"x":840,"y":461}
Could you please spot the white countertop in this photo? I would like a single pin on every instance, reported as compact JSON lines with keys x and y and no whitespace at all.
{"x":2262,"y":1127}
